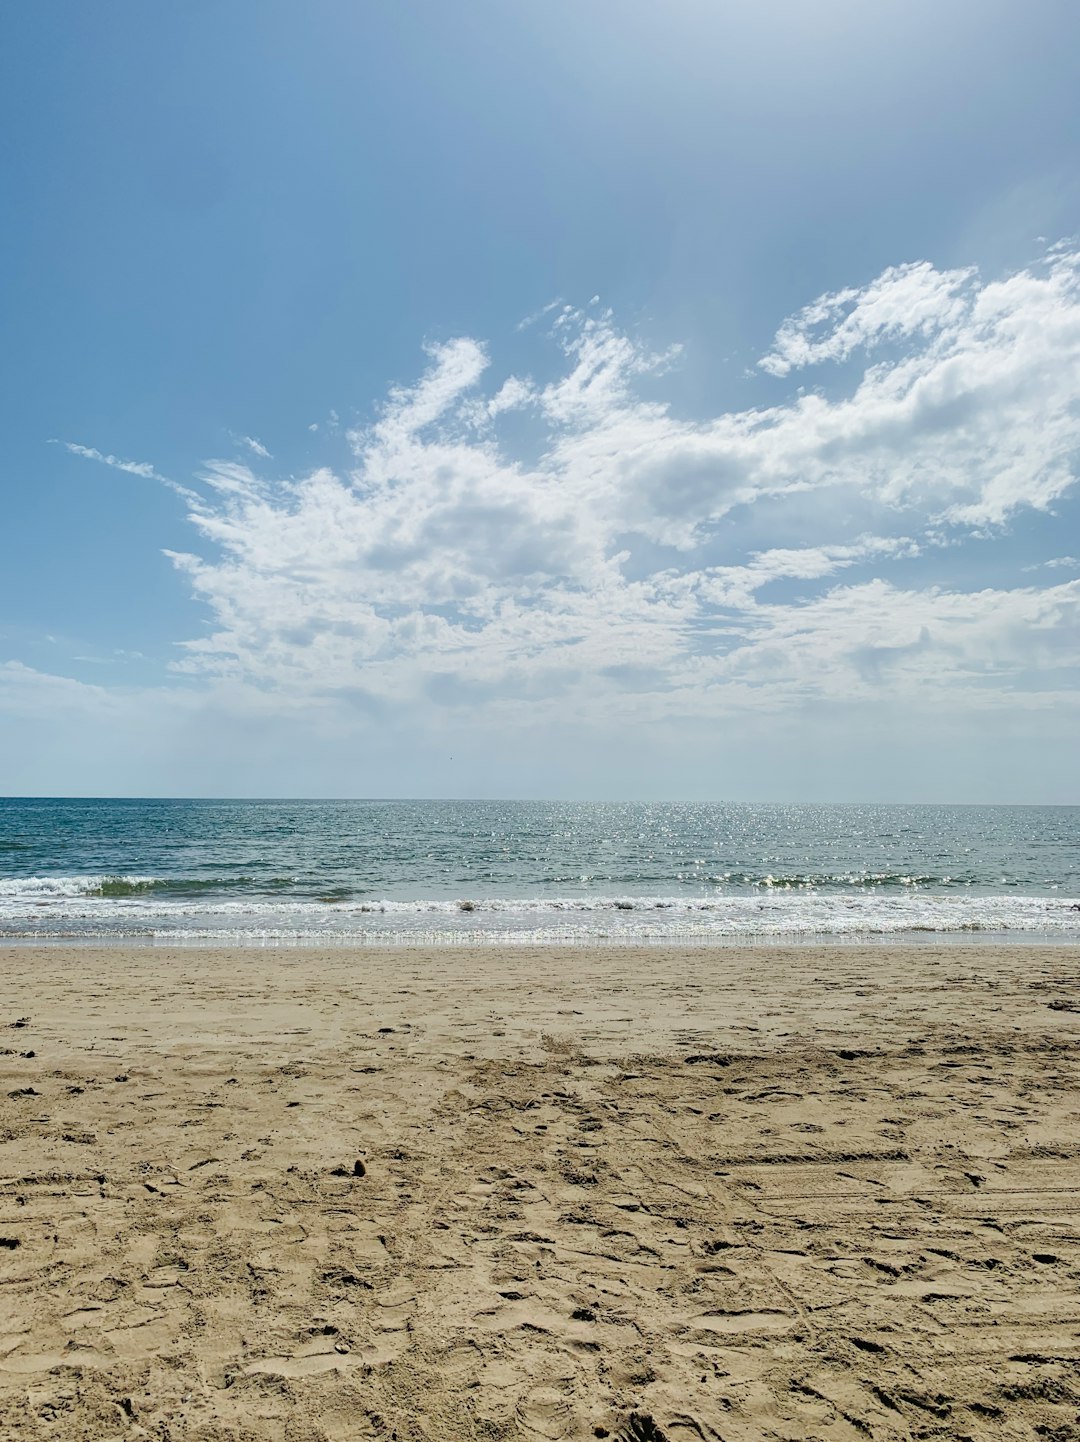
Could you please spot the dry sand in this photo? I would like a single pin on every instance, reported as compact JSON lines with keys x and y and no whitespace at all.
{"x":804,"y":1193}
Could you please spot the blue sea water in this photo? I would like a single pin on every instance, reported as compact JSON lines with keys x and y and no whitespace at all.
{"x":444,"y":871}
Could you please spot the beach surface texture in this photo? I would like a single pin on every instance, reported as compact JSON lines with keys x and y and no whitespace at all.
{"x":310,"y":1195}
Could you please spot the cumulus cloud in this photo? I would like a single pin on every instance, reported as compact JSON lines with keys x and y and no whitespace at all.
{"x":562,"y":541}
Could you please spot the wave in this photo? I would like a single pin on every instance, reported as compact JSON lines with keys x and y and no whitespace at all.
{"x":47,"y":888}
{"x":697,"y":889}
{"x":238,"y":908}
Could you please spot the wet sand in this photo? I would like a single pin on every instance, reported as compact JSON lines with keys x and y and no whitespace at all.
{"x":497,"y":1194}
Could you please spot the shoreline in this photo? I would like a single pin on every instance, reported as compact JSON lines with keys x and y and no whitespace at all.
{"x":516,"y":941}
{"x":526,"y":1192}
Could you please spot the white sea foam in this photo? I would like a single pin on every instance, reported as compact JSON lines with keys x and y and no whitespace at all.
{"x":82,"y":906}
{"x":32,"y":889}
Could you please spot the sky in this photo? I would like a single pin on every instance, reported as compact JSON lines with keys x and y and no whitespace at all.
{"x":612,"y":400}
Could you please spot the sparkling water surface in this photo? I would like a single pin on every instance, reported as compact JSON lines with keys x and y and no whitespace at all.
{"x":431,"y":871}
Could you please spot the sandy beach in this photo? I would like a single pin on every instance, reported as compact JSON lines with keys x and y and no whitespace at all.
{"x":685,"y":1193}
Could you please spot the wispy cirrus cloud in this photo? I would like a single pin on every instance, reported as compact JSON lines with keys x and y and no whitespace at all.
{"x":256,"y":447}
{"x":132,"y":468}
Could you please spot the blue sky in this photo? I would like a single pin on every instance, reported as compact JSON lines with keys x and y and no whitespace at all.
{"x":606,"y":399}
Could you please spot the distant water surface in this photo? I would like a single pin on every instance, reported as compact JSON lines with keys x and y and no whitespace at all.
{"x":444,"y":871}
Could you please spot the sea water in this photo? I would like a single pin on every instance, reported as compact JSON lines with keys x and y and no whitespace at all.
{"x":504,"y":871}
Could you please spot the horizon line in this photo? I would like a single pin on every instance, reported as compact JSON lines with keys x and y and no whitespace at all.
{"x":524,"y":800}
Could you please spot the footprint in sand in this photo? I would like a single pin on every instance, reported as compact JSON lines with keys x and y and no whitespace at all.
{"x":462,"y":1362}
{"x":310,"y":1361}
{"x":720,"y":1321}
{"x":545,"y":1412}
{"x":640,"y":1428}
{"x":73,"y":1356}
{"x":392,"y":1316}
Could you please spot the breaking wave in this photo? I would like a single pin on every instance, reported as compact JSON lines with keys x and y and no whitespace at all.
{"x":240,"y":908}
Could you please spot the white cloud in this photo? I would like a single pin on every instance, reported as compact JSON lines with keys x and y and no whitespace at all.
{"x":133,"y":468}
{"x":567,"y":546}
{"x":736,"y":586}
{"x":1057,"y":563}
{"x":255,"y":446}
{"x":529,"y":320}
{"x":904,"y":301}
{"x":25,"y":691}
{"x":874,"y":638}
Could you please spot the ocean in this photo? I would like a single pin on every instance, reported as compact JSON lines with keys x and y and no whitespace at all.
{"x":431,"y":872}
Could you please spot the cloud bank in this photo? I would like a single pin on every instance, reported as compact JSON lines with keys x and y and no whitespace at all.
{"x":506,"y":542}
{"x":553,"y":576}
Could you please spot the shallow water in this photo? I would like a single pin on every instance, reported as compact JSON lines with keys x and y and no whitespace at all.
{"x":436,"y":871}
